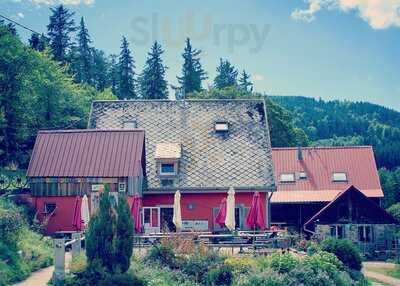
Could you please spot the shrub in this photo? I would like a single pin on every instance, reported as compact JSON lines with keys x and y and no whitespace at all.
{"x":240,"y":265}
{"x":162,"y":254}
{"x":197,"y":266}
{"x":220,"y":276}
{"x":282,"y":263}
{"x":345,"y":251}
{"x":394,"y":210}
{"x":267,"y":277}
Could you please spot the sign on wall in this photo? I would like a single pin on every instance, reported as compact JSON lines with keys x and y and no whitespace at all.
{"x":198,"y":225}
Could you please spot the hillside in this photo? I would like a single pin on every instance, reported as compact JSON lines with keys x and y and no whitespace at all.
{"x":347,"y":123}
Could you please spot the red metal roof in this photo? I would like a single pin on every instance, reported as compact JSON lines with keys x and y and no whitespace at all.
{"x":320,"y":163}
{"x":87,"y":153}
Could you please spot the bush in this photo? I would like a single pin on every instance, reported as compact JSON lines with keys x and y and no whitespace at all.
{"x":197,"y":266}
{"x":162,"y":254}
{"x":345,"y":251}
{"x":394,"y":210}
{"x":267,"y":277}
{"x":282,"y":263}
{"x":220,"y":276}
{"x":240,"y":265}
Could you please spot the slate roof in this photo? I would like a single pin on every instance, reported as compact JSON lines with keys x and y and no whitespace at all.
{"x":320,"y":163}
{"x":241,"y":158}
{"x":87,"y":153}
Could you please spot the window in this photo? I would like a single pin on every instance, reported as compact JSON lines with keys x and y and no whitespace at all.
{"x":130,"y":124}
{"x":49,"y":207}
{"x":167,"y":169}
{"x":302,"y":175}
{"x":287,"y":178}
{"x":337,"y":231}
{"x":365,"y":233}
{"x":339,"y":177}
{"x":122,"y":187}
{"x":167,"y":183}
{"x":221,"y":126}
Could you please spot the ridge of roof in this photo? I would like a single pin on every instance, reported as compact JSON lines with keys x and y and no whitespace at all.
{"x":324,"y":147}
{"x":181,"y":101}
{"x":88,"y":131}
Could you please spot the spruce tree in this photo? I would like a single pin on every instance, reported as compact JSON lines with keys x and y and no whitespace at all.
{"x":192,"y":72}
{"x":124,"y":236}
{"x":38,"y":42}
{"x":100,"y":236}
{"x":126,"y":81}
{"x":58,"y":30}
{"x":99,"y":70}
{"x":152,"y":80}
{"x":244,"y":82}
{"x":113,"y":74}
{"x":226,"y":75}
{"x":84,"y":54}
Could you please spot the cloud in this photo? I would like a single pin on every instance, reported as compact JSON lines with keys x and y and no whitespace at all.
{"x":20,"y":15}
{"x":257,"y":77}
{"x":52,"y":2}
{"x":380,"y":14}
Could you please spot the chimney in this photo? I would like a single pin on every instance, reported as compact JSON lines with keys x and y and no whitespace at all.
{"x":299,"y":153}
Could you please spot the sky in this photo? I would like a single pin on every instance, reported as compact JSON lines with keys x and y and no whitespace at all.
{"x":329,"y":49}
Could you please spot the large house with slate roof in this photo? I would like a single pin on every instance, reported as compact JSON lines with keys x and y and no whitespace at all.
{"x":199,"y":147}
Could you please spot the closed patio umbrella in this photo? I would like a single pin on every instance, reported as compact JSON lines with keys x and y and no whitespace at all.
{"x":221,"y":215}
{"x":256,"y":216}
{"x":77,"y":219}
{"x":135,"y":213}
{"x":177,"y":219}
{"x":230,"y":210}
{"x":85,"y":214}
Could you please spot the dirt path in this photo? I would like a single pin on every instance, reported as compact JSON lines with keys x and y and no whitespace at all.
{"x":368,"y":271}
{"x":41,"y":277}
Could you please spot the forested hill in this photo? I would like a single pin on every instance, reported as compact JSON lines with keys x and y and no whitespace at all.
{"x":348,"y":123}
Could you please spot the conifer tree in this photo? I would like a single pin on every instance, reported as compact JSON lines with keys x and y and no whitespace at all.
{"x":126,"y":81}
{"x":113,"y":74}
{"x":124,"y":237}
{"x":38,"y":42}
{"x":84,"y":54}
{"x":99,"y":70}
{"x":192,"y":72}
{"x":58,"y":30}
{"x":226,"y":75}
{"x":244,"y":82}
{"x":100,"y":236}
{"x":152,"y":81}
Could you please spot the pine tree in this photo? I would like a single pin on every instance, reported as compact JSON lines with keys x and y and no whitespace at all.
{"x":152,"y":81}
{"x":124,"y":237}
{"x":113,"y":74}
{"x":244,"y":82}
{"x":192,"y":71}
{"x":99,"y":70}
{"x":126,"y":81}
{"x":58,"y":30}
{"x":84,"y":54}
{"x":100,"y":236}
{"x":38,"y":42}
{"x":226,"y":75}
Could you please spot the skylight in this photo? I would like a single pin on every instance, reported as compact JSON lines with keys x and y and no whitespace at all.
{"x":339,"y":177}
{"x":221,"y":126}
{"x":287,"y":178}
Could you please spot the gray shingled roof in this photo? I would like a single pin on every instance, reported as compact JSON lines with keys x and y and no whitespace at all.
{"x":242,"y":159}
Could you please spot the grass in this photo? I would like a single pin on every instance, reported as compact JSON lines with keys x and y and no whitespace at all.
{"x":373,"y":280}
{"x":395,"y":273}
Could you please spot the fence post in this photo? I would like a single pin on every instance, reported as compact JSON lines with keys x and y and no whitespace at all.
{"x":76,"y":245}
{"x":59,"y":261}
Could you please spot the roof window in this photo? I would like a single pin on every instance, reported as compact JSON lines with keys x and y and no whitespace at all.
{"x":302,"y":175}
{"x":130,"y":124}
{"x":287,"y":178}
{"x":221,"y":126}
{"x":339,"y":177}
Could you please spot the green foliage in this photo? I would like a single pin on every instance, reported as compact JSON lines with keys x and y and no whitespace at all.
{"x":162,"y":254}
{"x":101,"y":233}
{"x":282,"y":263}
{"x":244,"y":82}
{"x":394,"y":210}
{"x":220,"y":276}
{"x":84,"y":55}
{"x":125,"y":79}
{"x":390,"y":181}
{"x":267,"y":277}
{"x":123,"y":243}
{"x":152,"y":80}
{"x":197,"y":266}
{"x":192,"y":72}
{"x":345,"y":250}
{"x":226,"y":75}
{"x":106,"y":94}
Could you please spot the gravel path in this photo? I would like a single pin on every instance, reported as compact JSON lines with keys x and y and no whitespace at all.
{"x":368,"y":271}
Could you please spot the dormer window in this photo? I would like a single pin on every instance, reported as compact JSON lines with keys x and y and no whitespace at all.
{"x":287,"y":178}
{"x":339,"y":177}
{"x":167,"y":169}
{"x":221,"y":126}
{"x":130,"y":124}
{"x":167,"y":156}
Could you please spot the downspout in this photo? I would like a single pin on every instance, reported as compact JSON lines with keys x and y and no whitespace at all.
{"x":308,"y":230}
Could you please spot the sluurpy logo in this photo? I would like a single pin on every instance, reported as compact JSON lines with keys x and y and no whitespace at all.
{"x":200,"y":28}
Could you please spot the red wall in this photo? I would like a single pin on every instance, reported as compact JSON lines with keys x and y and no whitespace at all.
{"x":62,"y":218}
{"x":203,"y":203}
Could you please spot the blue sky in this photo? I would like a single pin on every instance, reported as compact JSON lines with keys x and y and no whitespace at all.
{"x":333,"y":49}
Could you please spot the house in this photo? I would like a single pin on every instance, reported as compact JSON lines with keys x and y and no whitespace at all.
{"x":331,"y":191}
{"x":199,"y":147}
{"x":66,"y":164}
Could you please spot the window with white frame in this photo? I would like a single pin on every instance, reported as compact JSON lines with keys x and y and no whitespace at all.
{"x":122,"y":187}
{"x":365,"y":233}
{"x":287,"y":178}
{"x":167,"y":169}
{"x":221,"y":126}
{"x":339,"y":177}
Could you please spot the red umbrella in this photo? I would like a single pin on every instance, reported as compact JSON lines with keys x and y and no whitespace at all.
{"x":221,"y":215}
{"x":77,"y":219}
{"x":255,"y":217}
{"x":135,"y":213}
